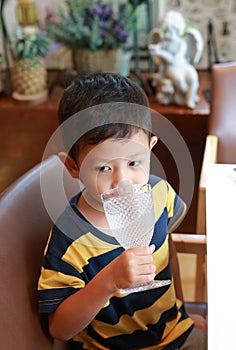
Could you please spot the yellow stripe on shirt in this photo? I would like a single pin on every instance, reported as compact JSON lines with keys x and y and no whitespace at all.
{"x":159,"y":193}
{"x":50,"y":279}
{"x":81,"y":250}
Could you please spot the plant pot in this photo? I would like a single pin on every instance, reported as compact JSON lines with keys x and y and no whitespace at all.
{"x":86,"y":60}
{"x":30,"y":79}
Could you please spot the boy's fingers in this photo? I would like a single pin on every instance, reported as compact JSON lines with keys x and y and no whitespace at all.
{"x":143,"y":250}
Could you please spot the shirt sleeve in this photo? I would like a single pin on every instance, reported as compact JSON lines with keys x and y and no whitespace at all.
{"x":58,"y":278}
{"x":167,"y":198}
{"x":176,"y":209}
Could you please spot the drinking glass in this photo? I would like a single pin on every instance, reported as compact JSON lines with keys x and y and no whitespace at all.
{"x":130,"y":215}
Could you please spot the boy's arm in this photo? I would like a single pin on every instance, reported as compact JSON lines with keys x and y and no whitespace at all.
{"x":79,"y":309}
{"x":132,"y":268}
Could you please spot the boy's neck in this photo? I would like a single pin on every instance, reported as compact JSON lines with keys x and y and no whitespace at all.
{"x":96,"y":217}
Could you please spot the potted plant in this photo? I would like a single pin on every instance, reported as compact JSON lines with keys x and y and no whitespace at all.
{"x":29,"y":71}
{"x":94,"y":31}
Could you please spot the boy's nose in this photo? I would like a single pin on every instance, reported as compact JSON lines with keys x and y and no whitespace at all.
{"x":120,"y":178}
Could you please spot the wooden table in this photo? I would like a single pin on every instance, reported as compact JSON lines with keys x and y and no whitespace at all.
{"x":24,"y":132}
{"x":26,"y":129}
{"x":221,"y":233}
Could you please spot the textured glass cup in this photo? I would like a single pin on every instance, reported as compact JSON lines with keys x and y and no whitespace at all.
{"x":130,"y":215}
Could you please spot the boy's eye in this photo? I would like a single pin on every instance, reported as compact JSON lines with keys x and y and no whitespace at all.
{"x":103,"y":168}
{"x":134,"y":163}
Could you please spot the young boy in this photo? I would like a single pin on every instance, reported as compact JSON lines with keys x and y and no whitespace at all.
{"x":84,"y":266}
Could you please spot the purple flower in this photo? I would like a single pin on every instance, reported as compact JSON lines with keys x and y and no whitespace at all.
{"x":120,"y":35}
{"x":103,"y":33}
{"x":97,"y":10}
{"x":66,"y":15}
{"x":103,"y":25}
{"x":107,"y":12}
{"x":111,"y":26}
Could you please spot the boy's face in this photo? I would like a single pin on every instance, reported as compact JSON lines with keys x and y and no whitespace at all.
{"x":104,"y":166}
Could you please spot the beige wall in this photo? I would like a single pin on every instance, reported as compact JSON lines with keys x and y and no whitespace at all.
{"x":222,"y":13}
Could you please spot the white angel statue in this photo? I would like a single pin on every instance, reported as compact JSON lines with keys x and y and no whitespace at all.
{"x":174,"y":50}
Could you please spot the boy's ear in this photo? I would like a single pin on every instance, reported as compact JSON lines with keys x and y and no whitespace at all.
{"x":153,"y":141}
{"x":70,"y":164}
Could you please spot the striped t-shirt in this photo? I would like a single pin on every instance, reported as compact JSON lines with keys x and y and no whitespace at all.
{"x":76,"y":251}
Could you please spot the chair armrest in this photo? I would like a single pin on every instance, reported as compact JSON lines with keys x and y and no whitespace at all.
{"x":194,"y":244}
{"x":209,"y":157}
{"x":189,"y":243}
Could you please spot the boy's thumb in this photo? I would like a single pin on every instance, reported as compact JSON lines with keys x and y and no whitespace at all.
{"x":152,"y":247}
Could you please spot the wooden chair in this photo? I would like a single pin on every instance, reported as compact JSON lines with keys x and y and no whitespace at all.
{"x":25,"y":225}
{"x":220,"y":144}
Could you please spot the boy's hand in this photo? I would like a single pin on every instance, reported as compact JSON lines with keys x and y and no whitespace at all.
{"x":133,"y":267}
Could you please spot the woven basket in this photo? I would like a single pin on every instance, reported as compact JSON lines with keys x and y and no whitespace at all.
{"x":86,"y":60}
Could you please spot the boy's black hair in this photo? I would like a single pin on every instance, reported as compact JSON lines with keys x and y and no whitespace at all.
{"x":99,"y":89}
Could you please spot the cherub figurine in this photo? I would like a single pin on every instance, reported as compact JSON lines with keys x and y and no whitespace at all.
{"x":174,"y":49}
